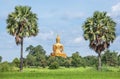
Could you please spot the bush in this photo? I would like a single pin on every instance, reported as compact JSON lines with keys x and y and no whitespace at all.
{"x":105,"y":69}
{"x":16,"y":62}
{"x":5,"y":66}
{"x":54,"y":65}
{"x":67,"y":63}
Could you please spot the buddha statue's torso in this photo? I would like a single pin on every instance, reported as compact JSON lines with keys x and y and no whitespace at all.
{"x":58,"y":48}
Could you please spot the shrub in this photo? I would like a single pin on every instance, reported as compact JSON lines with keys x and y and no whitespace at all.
{"x":16,"y":62}
{"x":67,"y":63}
{"x":5,"y":66}
{"x":54,"y":65}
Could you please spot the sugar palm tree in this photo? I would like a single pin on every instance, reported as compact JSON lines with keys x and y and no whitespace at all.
{"x":22,"y":23}
{"x":100,"y":31}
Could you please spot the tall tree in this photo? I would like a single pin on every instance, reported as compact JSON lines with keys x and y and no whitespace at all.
{"x":22,"y":23}
{"x":100,"y":31}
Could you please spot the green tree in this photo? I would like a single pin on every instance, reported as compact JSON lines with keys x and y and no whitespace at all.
{"x":30,"y":60}
{"x":76,"y":60}
{"x":5,"y":67}
{"x":54,"y":65}
{"x":50,"y":60}
{"x":118,"y":60}
{"x":110,"y":58}
{"x":16,"y":62}
{"x":35,"y":51}
{"x":90,"y":60}
{"x":22,"y":23}
{"x":100,"y":31}
{"x":60,"y":60}
{"x":67,"y":62}
{"x":36,"y":55}
{"x":0,"y":58}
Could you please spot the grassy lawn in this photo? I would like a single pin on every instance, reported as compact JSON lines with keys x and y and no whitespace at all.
{"x":62,"y":73}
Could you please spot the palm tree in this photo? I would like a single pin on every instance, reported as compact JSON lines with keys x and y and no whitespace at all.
{"x":22,"y":23}
{"x":100,"y":31}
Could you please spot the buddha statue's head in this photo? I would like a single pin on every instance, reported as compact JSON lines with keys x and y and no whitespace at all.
{"x":58,"y":39}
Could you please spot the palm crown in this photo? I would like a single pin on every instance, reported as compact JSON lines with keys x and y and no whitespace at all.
{"x":22,"y":23}
{"x":100,"y":31}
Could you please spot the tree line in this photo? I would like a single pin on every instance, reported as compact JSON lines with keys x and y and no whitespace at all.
{"x":37,"y":58}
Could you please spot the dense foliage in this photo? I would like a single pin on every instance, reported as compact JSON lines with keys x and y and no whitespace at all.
{"x":37,"y":58}
{"x":54,"y":65}
{"x":5,"y":67}
{"x":110,"y":58}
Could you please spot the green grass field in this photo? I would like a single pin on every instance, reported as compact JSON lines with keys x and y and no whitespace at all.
{"x":62,"y":73}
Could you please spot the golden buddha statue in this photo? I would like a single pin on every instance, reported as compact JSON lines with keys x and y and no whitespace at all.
{"x":58,"y":48}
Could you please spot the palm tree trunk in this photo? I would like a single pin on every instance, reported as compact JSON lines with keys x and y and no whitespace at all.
{"x":99,"y":62}
{"x":21,"y":56}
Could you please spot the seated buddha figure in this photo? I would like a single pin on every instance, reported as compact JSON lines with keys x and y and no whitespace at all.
{"x":58,"y":48}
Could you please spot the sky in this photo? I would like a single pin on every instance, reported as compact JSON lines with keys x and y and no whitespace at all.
{"x":62,"y":17}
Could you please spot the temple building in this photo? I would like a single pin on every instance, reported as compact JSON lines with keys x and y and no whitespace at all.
{"x":58,"y":48}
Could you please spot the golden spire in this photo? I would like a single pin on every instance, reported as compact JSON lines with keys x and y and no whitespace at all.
{"x":58,"y":39}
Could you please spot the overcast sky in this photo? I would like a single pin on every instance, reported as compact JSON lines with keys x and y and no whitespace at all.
{"x":63,"y":17}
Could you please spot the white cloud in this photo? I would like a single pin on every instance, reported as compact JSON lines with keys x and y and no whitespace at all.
{"x":46,"y":35}
{"x":116,"y":7}
{"x":68,"y":15}
{"x":115,"y":10}
{"x":115,"y":14}
{"x":78,"y":39}
{"x":42,"y":36}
